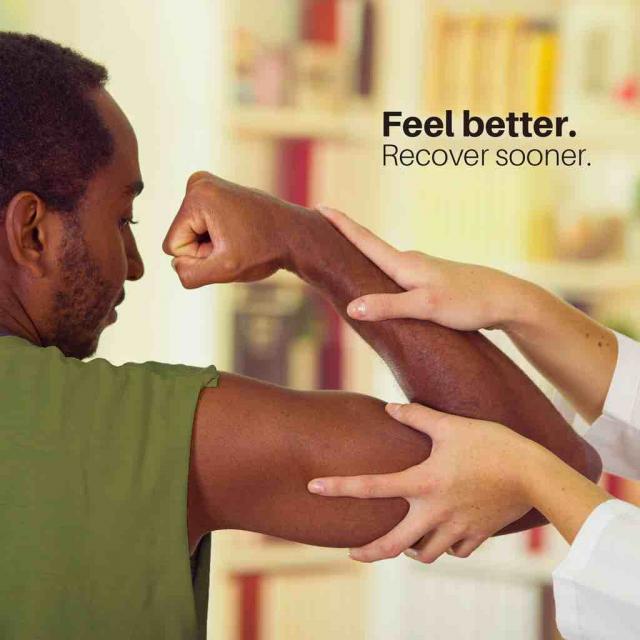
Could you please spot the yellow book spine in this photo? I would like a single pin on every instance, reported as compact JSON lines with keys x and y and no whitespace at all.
{"x":544,"y":53}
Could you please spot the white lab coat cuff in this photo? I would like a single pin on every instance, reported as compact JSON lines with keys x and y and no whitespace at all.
{"x":616,"y":433}
{"x":591,"y":574}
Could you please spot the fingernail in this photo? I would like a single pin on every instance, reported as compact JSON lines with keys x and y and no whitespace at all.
{"x":357,"y":309}
{"x":392,"y":408}
{"x":323,"y":209}
{"x":412,"y":553}
{"x":316,"y":486}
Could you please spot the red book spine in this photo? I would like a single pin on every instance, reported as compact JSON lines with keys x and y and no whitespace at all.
{"x":536,"y":540}
{"x":614,"y":485}
{"x":320,"y":21}
{"x":249,"y":623}
{"x":365,"y":63}
{"x":294,"y":181}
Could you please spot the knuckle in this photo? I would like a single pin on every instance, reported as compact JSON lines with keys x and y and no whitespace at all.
{"x":409,"y":411}
{"x":389,"y":550}
{"x":444,"y":514}
{"x":423,"y":486}
{"x":187,"y":283}
{"x":459,"y":531}
{"x":230,"y":264}
{"x":367,"y":486}
{"x":335,"y":486}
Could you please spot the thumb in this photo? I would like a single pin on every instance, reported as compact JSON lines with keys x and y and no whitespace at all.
{"x":196,"y":272}
{"x":193,"y":272}
{"x":420,"y":418}
{"x":384,"y":306}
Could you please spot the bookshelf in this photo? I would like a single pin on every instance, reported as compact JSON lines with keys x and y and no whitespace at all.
{"x":500,"y":218}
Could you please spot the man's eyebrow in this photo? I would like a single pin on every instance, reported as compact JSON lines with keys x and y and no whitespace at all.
{"x":134,"y":189}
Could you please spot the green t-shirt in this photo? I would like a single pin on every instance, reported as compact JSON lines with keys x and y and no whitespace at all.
{"x":94,"y":464}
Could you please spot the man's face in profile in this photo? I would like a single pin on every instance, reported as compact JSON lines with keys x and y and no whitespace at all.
{"x":97,"y":252}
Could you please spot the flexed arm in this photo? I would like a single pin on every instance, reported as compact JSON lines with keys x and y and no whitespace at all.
{"x":226,"y":233}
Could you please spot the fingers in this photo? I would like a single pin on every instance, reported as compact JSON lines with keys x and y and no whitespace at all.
{"x":465,"y":548}
{"x":183,"y":237}
{"x":384,"y":306}
{"x":190,"y":271}
{"x":198,"y":272}
{"x":432,"y":546}
{"x":189,"y":225}
{"x":392,"y":544}
{"x":377,"y":250}
{"x":391,"y":485}
{"x":418,"y":417}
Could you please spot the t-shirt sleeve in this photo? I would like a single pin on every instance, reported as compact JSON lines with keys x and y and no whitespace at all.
{"x":107,"y":451}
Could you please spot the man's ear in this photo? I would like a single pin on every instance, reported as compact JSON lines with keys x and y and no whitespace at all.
{"x":25,"y":219}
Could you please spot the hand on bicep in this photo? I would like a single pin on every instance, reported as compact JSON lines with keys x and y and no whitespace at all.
{"x":465,"y":492}
{"x":456,"y":295}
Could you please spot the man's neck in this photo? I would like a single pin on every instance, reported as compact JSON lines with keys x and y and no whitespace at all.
{"x":18,"y":323}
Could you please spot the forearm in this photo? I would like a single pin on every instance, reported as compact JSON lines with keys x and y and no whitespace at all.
{"x":455,"y":372}
{"x":565,"y":497}
{"x":575,"y":353}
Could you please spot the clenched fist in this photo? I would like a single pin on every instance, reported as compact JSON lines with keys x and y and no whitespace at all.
{"x":227,"y":233}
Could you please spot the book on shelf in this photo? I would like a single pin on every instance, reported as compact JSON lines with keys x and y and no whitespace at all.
{"x":312,"y":54}
{"x":491,"y":64}
{"x":288,"y":335}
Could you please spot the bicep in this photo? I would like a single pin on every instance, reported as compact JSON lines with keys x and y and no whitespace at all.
{"x":256,"y":446}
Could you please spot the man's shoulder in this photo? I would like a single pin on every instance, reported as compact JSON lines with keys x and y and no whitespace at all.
{"x":45,"y":377}
{"x":22,"y":354}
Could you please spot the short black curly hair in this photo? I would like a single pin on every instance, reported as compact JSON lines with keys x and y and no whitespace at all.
{"x":52,"y":139}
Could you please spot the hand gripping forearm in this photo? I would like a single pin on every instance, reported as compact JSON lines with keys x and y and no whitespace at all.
{"x":455,"y":372}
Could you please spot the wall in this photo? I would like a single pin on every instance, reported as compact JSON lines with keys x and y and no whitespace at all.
{"x":164,"y":70}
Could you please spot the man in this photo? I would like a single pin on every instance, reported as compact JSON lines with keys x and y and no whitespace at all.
{"x":111,"y":475}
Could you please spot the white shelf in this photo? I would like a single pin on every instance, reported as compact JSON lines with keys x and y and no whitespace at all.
{"x":292,"y":122}
{"x":527,"y":569}
{"x":584,"y":277}
{"x":275,"y":557}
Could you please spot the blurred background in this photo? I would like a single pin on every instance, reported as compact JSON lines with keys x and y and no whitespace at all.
{"x":288,"y":96}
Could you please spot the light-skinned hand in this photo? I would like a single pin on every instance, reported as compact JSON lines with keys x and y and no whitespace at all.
{"x":457,"y":295}
{"x":471,"y":486}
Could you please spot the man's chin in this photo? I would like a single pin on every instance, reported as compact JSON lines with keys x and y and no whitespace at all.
{"x":81,"y":348}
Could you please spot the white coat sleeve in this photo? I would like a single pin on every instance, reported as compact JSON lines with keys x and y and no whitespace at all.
{"x":597,"y":586}
{"x":616,"y":433}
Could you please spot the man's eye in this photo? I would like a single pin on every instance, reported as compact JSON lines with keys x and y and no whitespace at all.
{"x":125,"y":222}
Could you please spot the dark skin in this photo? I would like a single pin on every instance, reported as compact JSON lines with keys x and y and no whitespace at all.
{"x":227,"y":233}
{"x":255,"y":446}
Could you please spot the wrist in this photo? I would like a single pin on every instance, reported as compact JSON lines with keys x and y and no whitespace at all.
{"x":526,"y":306}
{"x":288,"y":224}
{"x":302,"y":231}
{"x":537,"y":463}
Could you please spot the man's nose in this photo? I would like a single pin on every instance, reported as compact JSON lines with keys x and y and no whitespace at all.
{"x":135,"y":264}
{"x":136,"y":268}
